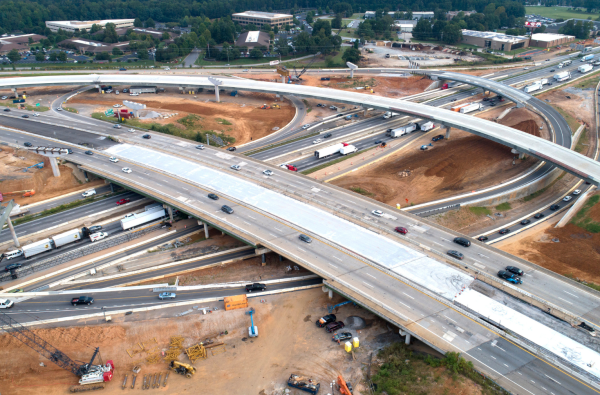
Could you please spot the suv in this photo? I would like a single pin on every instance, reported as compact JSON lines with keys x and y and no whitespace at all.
{"x":12,"y":266}
{"x":514,"y":270}
{"x":334,"y":326}
{"x":554,"y":207}
{"x":146,"y":136}
{"x":438,"y":137}
{"x":227,"y":209}
{"x":329,"y":318}
{"x":462,"y":241}
{"x":305,"y":238}
{"x":455,"y":254}
{"x":213,"y":196}
{"x":255,"y":287}
{"x":340,"y":337}
{"x":28,"y":144}
{"x":511,"y":278}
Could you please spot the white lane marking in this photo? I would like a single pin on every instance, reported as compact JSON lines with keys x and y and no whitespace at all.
{"x":407,"y":295}
{"x":437,"y":243}
{"x":406,"y":306}
{"x":279,"y":230}
{"x":445,"y":239}
{"x":520,"y":373}
{"x":564,"y":300}
{"x":333,"y":265}
{"x":185,"y":188}
{"x":532,"y":381}
{"x":544,"y":389}
{"x":337,"y":258}
{"x":301,"y":249}
{"x":448,"y":317}
{"x":571,"y":294}
{"x":248,"y":223}
{"x":272,"y":234}
{"x":483,"y":255}
{"x":493,"y":356}
{"x":252,"y":217}
{"x":506,"y":365}
{"x":368,"y":285}
{"x":371,"y":276}
{"x":553,"y":379}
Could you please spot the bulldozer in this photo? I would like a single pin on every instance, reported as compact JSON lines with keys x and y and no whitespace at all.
{"x":265,"y":107}
{"x":275,"y":106}
{"x":183,"y":368}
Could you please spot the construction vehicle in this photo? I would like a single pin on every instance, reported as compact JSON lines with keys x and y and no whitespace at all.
{"x":183,"y":369}
{"x":304,"y":383}
{"x":38,"y":165}
{"x":343,"y":387}
{"x":252,"y":330}
{"x":265,"y":107}
{"x":92,"y":376}
{"x":26,"y":193}
{"x":277,"y":106}
{"x":298,"y":76}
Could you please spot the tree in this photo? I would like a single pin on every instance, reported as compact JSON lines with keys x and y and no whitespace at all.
{"x":39,"y":57}
{"x":251,"y":27}
{"x":165,"y":36}
{"x":13,"y":55}
{"x":336,"y":23}
{"x":286,"y":27}
{"x":110,"y":33}
{"x":117,"y":51}
{"x":143,"y":55}
{"x":30,"y":40}
{"x":256,"y":53}
{"x":452,"y":34}
{"x":422,"y":31}
{"x":351,"y":55}
{"x":62,"y":56}
{"x":309,"y":18}
{"x":322,"y":26}
{"x":53,"y":57}
{"x":95,"y":28}
{"x":138,"y":22}
{"x":275,"y":29}
{"x":102,"y":56}
{"x":150,"y":23}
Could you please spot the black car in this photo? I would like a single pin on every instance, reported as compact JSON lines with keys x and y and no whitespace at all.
{"x":213,"y":196}
{"x":515,"y":270}
{"x":321,"y":322}
{"x":227,"y":209}
{"x":525,"y":222}
{"x":7,"y":109}
{"x":462,"y":241}
{"x":378,"y":141}
{"x":511,"y":278}
{"x":438,"y":137}
{"x":538,"y":216}
{"x":82,"y":300}
{"x":28,"y":145}
{"x":328,"y":135}
{"x":12,"y":266}
{"x":146,"y":136}
{"x":325,"y":78}
{"x":305,"y":238}
{"x":255,"y":287}
{"x":334,"y":326}
{"x":24,"y":116}
{"x":89,"y":153}
{"x":482,"y":238}
{"x":554,"y":207}
{"x":552,"y":70}
{"x":340,"y":337}
{"x":492,"y":104}
{"x":231,"y":149}
{"x":455,"y":254}
{"x":504,"y":231}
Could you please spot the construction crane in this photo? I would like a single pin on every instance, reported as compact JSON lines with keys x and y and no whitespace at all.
{"x":26,"y":193}
{"x":252,"y":330}
{"x":88,"y":372}
{"x":298,"y":76}
{"x":38,"y":165}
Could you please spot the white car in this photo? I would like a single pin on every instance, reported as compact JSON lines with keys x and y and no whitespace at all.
{"x":567,"y":198}
{"x":268,"y":172}
{"x":89,"y":193}
{"x":59,"y":109}
{"x":377,"y":213}
{"x":117,"y":106}
{"x":117,"y":126}
{"x":317,"y":141}
{"x":126,"y":170}
{"x":113,"y":159}
{"x":4,"y":97}
{"x":236,"y":167}
{"x":283,"y":166}
{"x":246,"y":70}
{"x":306,"y":126}
{"x":6,"y":304}
{"x":200,"y":146}
{"x":35,"y":114}
{"x":576,"y":192}
{"x":134,"y":94}
{"x":525,"y":68}
{"x":131,"y":130}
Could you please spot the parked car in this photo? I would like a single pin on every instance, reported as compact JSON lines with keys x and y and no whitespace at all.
{"x":267,"y":172}
{"x":462,"y":241}
{"x":334,"y":326}
{"x":515,"y":270}
{"x":122,"y":69}
{"x":401,"y":230}
{"x":305,"y":238}
{"x":525,"y":222}
{"x":213,"y":196}
{"x":504,"y":231}
{"x":255,"y":287}
{"x":113,"y":159}
{"x":511,"y":278}
{"x":438,"y":137}
{"x":329,"y":318}
{"x":424,"y":148}
{"x":122,"y":201}
{"x":455,"y":254}
{"x":482,"y":238}
{"x":166,"y":295}
{"x":377,"y":213}
{"x":12,"y":266}
{"x":82,"y":300}
{"x":146,"y":136}
{"x":538,"y":216}
{"x":340,"y":337}
{"x":227,"y":209}
{"x":126,"y":170}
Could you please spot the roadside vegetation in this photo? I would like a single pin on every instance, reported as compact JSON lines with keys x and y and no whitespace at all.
{"x":583,"y":219}
{"x":543,"y":190}
{"x":480,"y":211}
{"x":361,"y":191}
{"x":503,"y":207}
{"x":560,"y":12}
{"x":581,"y":142}
{"x":27,"y":107}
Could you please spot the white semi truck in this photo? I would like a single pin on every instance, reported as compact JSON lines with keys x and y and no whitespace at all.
{"x":152,"y":213}
{"x":328,"y":151}
{"x":66,"y":238}
{"x":401,"y":131}
{"x":563,"y":76}
{"x":426,"y":126}
{"x":585,"y":68}
{"x":348,"y":150}
{"x":536,"y":86}
{"x":37,"y":248}
{"x":471,"y":107}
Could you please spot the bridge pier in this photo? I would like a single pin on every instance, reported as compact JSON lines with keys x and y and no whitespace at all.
{"x":447,"y":132}
{"x":15,"y":92}
{"x":205,"y":225}
{"x":406,"y":336}
{"x":170,"y":211}
{"x":521,"y":155}
{"x":216,"y":83}
{"x":264,"y":260}
{"x":330,"y":294}
{"x":283,"y":79}
{"x":280,"y":258}
{"x":54,"y":165}
{"x":87,"y":179}
{"x":12,"y":233}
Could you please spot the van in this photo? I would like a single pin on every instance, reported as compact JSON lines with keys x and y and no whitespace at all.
{"x":6,"y":304}
{"x":89,"y":193}
{"x":12,"y":254}
{"x":462,"y":241}
{"x":98,"y":236}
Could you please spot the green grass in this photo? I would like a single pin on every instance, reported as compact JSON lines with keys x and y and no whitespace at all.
{"x":589,"y":83}
{"x":560,"y":12}
{"x":591,"y":285}
{"x":361,"y":191}
{"x":543,"y":190}
{"x":223,"y":121}
{"x":580,"y":143}
{"x":503,"y":207}
{"x":480,"y":210}
{"x":28,"y":107}
{"x":69,"y":109}
{"x":336,"y":61}
{"x":333,"y":162}
{"x":268,"y":147}
{"x":582,"y":219}
{"x":573,"y":124}
{"x":201,"y":62}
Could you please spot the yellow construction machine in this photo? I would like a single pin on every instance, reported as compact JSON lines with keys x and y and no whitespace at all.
{"x":183,"y":368}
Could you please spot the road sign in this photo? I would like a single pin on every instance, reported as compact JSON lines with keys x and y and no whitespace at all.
{"x":37,"y":104}
{"x":273,"y":62}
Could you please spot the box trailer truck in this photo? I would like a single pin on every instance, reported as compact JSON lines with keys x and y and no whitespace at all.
{"x":587,"y":57}
{"x":142,"y":218}
{"x":585,"y":68}
{"x":536,"y":86}
{"x":457,"y":108}
{"x":66,"y":238}
{"x":425,"y":126}
{"x":37,"y":248}
{"x":348,"y":150}
{"x":328,"y":151}
{"x":565,"y":75}
{"x":472,"y":107}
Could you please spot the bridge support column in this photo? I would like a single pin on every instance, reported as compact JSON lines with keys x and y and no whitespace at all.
{"x":330,"y":294}
{"x":12,"y":233}
{"x":216,"y":83}
{"x":280,"y":258}
{"x":99,"y":89}
{"x":86,"y":176}
{"x":521,"y":155}
{"x":170,"y":211}
{"x":447,"y":132}
{"x":264,"y":260}
{"x":283,"y":79}
{"x":54,"y":165}
{"x":15,"y":92}
{"x":351,"y":73}
{"x":112,"y":187}
{"x":205,"y":225}
{"x":406,"y":336}
{"x":324,"y":288}
{"x":365,"y":112}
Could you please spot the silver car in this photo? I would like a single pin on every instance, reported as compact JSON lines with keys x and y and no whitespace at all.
{"x":166,"y":295}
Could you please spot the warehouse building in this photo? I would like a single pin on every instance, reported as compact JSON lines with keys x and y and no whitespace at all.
{"x":262,"y":18}
{"x":253,"y":39}
{"x":142,"y":89}
{"x":497,"y":41}
{"x":80,"y":26}
{"x":370,"y":14}
{"x":547,"y":40}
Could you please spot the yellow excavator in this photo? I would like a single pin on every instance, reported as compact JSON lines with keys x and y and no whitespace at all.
{"x":183,"y":368}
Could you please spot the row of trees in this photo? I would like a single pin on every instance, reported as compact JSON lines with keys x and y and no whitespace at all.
{"x":14,"y":56}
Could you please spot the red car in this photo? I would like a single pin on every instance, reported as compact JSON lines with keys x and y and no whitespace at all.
{"x":122,"y":201}
{"x":292,"y":167}
{"x":401,"y":230}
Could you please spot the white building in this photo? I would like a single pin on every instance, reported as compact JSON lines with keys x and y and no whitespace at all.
{"x":370,"y":14}
{"x":73,"y":26}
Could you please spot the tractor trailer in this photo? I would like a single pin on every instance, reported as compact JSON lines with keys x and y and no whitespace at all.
{"x":533,"y":87}
{"x":585,"y":68}
{"x":37,"y":248}
{"x":348,"y":150}
{"x":471,"y":107}
{"x":565,"y":75}
{"x":152,"y":213}
{"x":587,"y":57}
{"x":401,"y":131}
{"x":66,"y":238}
{"x":328,"y":151}
{"x":425,"y":126}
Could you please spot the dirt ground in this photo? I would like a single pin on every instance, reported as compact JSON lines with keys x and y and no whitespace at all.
{"x":46,"y":186}
{"x":576,"y":254}
{"x":247,"y":120}
{"x":461,"y":164}
{"x":288,"y":342}
{"x":580,"y":105}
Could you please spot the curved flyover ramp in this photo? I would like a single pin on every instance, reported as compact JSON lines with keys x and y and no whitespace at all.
{"x":568,"y":160}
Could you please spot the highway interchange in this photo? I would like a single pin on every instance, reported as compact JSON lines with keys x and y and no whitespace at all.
{"x":539,"y":283}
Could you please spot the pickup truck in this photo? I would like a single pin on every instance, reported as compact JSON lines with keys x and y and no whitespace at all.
{"x":82,"y":300}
